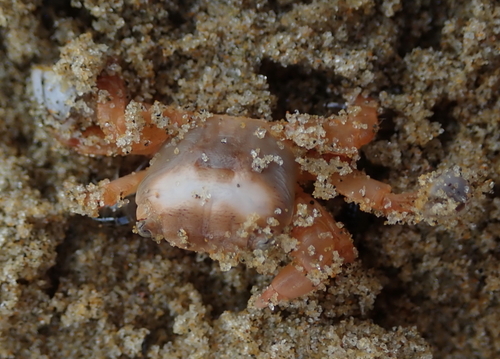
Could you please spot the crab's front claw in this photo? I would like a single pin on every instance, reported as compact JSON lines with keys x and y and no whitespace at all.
{"x":118,"y":126}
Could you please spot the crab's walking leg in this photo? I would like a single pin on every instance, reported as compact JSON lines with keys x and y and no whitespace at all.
{"x":359,"y":130}
{"x":108,"y":193}
{"x":122,"y":187}
{"x":371,"y":194}
{"x":342,"y":135}
{"x":317,"y":244}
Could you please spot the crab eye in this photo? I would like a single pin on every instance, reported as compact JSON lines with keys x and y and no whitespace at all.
{"x":258,"y":241}
{"x":142,"y":231}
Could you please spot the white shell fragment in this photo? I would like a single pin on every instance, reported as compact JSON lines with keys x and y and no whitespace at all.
{"x":52,"y":92}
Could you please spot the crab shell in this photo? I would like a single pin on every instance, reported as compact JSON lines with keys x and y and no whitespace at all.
{"x":227,"y":185}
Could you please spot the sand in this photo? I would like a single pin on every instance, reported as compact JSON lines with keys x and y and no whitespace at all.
{"x":74,"y":287}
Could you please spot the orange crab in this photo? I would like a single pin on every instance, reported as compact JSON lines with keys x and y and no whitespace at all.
{"x":221,"y":184}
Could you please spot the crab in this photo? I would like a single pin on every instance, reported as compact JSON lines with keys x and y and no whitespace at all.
{"x":225,"y":185}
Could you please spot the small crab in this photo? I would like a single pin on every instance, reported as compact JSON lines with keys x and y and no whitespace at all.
{"x":222,"y":185}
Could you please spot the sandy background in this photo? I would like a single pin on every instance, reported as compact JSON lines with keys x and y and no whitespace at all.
{"x":71,"y":287}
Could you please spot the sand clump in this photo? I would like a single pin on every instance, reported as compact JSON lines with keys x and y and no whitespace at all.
{"x":73,"y":287}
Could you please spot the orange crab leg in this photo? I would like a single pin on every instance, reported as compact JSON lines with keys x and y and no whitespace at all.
{"x":371,"y":194}
{"x":110,"y":114}
{"x":112,"y":121}
{"x":316,"y":249}
{"x":94,"y":144}
{"x":359,"y":130}
{"x":122,"y":187}
{"x":343,"y":134}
